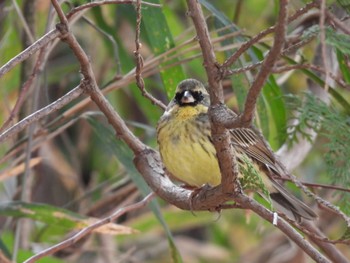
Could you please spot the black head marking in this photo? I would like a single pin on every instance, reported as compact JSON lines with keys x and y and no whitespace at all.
{"x":191,"y":92}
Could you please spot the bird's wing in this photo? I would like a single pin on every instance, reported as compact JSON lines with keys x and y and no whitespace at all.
{"x":250,"y":143}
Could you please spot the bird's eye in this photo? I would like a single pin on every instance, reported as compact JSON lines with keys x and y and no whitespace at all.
{"x":178,"y":96}
{"x":198,"y":96}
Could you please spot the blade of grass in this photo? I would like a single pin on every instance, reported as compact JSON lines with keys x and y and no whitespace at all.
{"x":161,"y":39}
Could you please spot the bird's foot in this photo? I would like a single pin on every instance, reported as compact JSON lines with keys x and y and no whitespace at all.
{"x":196,"y":191}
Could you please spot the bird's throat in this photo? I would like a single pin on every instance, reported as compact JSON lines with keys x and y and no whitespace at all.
{"x":189,"y":112}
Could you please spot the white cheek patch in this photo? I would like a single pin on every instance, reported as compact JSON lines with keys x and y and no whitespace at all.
{"x":166,"y":113}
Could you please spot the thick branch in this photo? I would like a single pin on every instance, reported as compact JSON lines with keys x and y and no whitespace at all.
{"x":149,"y":165}
{"x":219,"y":133}
{"x":89,"y":85}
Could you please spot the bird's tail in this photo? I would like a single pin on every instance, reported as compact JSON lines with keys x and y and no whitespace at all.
{"x":290,"y":205}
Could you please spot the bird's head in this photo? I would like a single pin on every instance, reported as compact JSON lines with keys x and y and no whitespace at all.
{"x":191,"y":92}
{"x":191,"y":100}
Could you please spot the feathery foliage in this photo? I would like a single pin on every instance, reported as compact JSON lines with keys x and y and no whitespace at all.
{"x":332,"y":124}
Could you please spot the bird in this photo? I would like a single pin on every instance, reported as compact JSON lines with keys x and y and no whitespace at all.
{"x":189,"y":156}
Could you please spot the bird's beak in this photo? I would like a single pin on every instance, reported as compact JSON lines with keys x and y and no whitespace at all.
{"x":187,"y":98}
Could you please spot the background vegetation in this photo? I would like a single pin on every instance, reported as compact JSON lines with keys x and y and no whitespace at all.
{"x":66,"y":169}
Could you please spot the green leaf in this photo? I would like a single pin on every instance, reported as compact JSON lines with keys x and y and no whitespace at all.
{"x":340,"y":99}
{"x":125,"y":156}
{"x":272,"y":112}
{"x":344,"y":68}
{"x":334,"y":126}
{"x":345,"y":4}
{"x":42,"y":212}
{"x":271,"y":104}
{"x":277,"y":110}
{"x":218,"y":14}
{"x":108,"y":33}
{"x":161,"y":40}
{"x":57,"y":216}
{"x":4,"y":249}
{"x":338,"y":40}
{"x":251,"y":179}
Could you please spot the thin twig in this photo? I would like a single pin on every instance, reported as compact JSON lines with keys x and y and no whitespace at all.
{"x":139,"y":60}
{"x":106,"y":2}
{"x":262,"y":34}
{"x":60,"y":12}
{"x":244,"y":69}
{"x":323,"y":42}
{"x":39,"y":114}
{"x":89,"y":85}
{"x":254,"y":91}
{"x":41,"y":42}
{"x":53,"y":34}
{"x":337,"y":22}
{"x":320,"y":200}
{"x":87,"y":230}
{"x":337,"y":79}
{"x":24,"y":22}
{"x":26,"y":88}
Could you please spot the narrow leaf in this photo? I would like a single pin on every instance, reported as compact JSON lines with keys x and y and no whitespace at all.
{"x":58,"y":216}
{"x":161,"y":40}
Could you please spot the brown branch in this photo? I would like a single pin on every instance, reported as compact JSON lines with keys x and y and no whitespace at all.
{"x":323,"y":42}
{"x":106,"y":2}
{"x":337,"y":79}
{"x":337,"y":22}
{"x":254,"y":91}
{"x":89,"y":85}
{"x":243,"y":69}
{"x":39,"y":114}
{"x":232,"y":59}
{"x":60,"y":12}
{"x":324,"y":243}
{"x":41,"y":42}
{"x":139,"y":60}
{"x":53,"y":34}
{"x":39,"y":65}
{"x":284,"y":227}
{"x":149,"y":165}
{"x":87,"y":230}
{"x":220,"y":135}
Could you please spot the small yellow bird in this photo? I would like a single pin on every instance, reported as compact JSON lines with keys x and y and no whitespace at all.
{"x":187,"y":151}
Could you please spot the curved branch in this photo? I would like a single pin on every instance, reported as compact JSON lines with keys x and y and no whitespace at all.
{"x":149,"y":165}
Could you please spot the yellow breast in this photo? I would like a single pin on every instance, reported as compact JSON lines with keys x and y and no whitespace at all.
{"x":186,"y":150}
